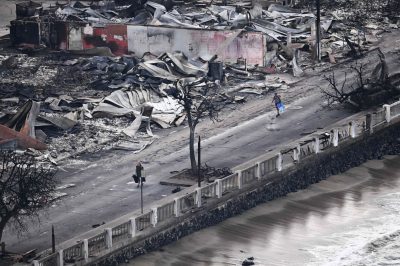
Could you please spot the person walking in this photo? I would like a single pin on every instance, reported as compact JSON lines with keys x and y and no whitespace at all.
{"x":278,"y":103}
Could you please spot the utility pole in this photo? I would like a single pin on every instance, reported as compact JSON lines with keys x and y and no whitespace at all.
{"x":199,"y":164}
{"x":318,"y":26}
{"x":53,"y":240}
{"x":141,"y":194}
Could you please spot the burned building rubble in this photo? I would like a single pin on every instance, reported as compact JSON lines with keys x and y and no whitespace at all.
{"x":229,"y":32}
{"x":109,"y":80}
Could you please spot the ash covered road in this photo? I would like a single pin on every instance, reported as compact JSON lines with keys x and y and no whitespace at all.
{"x":104,"y":189}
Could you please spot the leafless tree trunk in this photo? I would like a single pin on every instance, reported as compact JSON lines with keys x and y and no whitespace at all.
{"x":199,"y":99}
{"x":192,"y":130}
{"x":25,"y":188}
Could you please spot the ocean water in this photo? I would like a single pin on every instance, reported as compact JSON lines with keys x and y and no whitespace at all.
{"x":348,"y":219}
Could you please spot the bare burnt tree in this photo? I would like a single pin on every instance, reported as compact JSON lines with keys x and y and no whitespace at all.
{"x":342,"y":92}
{"x":25,"y":186}
{"x":335,"y":92}
{"x":364,"y":92}
{"x":199,"y":99}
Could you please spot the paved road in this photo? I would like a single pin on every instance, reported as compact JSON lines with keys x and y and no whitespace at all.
{"x":104,"y":192}
{"x":104,"y":189}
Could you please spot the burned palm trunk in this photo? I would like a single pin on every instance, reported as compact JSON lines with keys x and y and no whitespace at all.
{"x":187,"y":104}
{"x":193,"y":163}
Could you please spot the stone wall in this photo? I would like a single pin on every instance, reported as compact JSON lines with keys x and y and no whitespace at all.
{"x":312,"y":170}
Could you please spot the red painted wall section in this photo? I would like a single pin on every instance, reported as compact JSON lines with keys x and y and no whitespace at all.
{"x":23,"y":140}
{"x":112,"y":36}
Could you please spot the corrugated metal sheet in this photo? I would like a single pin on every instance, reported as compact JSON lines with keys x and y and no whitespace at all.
{"x":194,"y":42}
{"x":112,"y":36}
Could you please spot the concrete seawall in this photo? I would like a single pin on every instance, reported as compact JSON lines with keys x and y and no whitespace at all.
{"x":299,"y":176}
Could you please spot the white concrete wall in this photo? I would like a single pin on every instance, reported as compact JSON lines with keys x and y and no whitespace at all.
{"x":194,"y":43}
{"x":75,"y":39}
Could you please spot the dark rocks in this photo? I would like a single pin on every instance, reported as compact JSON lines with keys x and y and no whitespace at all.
{"x":97,"y":225}
{"x":177,"y":189}
{"x":247,"y":262}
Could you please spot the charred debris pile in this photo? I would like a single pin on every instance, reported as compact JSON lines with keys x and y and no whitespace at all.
{"x":64,"y":96}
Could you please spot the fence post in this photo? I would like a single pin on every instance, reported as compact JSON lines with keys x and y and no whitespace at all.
{"x":296,"y":153}
{"x":387,"y":112}
{"x":352,"y":129}
{"x":279,"y":162}
{"x":35,"y":263}
{"x":60,"y":261}
{"x":154,"y":217}
{"x":108,"y":232}
{"x":259,"y":170}
{"x":295,"y":157}
{"x":132,"y":227}
{"x":198,"y":197}
{"x":219,"y":188}
{"x":316,"y":145}
{"x":335,"y":137}
{"x":368,"y":123}
{"x":239,"y":177}
{"x":177,"y":209}
{"x":85,"y":249}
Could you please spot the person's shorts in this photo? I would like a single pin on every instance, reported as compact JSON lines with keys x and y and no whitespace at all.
{"x":280,"y":107}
